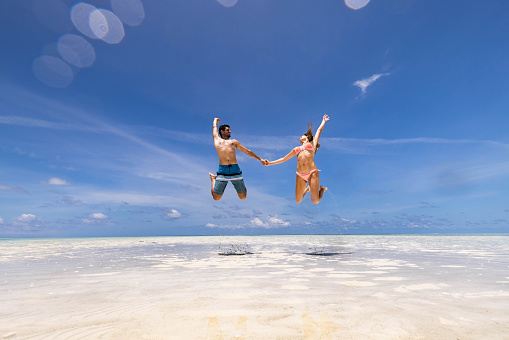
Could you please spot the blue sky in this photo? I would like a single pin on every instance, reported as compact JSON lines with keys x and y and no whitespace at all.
{"x":106,"y":111}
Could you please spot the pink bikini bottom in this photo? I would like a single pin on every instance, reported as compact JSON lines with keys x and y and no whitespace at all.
{"x":307,"y":174}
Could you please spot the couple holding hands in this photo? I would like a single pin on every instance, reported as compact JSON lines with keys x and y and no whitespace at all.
{"x":307,"y":179}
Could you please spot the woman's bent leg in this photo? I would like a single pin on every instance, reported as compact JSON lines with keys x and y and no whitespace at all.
{"x":300,"y":188}
{"x":315,"y":188}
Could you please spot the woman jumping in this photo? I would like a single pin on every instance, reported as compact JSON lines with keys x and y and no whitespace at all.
{"x":307,"y":172}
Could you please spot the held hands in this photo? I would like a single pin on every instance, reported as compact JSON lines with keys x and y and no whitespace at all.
{"x":265,"y":162}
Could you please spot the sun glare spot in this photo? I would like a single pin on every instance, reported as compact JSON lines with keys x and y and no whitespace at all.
{"x":76,"y":50}
{"x":80,"y":16}
{"x":53,"y":71}
{"x":356,"y":4}
{"x":131,"y":12}
{"x":228,"y":3}
{"x":107,"y":26}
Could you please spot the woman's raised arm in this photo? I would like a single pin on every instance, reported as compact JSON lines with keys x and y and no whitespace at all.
{"x":319,"y":130}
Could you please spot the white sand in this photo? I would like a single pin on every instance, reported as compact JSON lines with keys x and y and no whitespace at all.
{"x":370,"y":287}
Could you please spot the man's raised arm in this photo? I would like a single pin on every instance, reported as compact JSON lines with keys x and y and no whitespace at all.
{"x":215,"y":134}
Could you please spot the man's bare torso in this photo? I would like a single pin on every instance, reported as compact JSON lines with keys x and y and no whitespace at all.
{"x":226,"y":150}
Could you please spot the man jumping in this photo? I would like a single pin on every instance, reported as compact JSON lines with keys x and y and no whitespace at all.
{"x":228,"y":170}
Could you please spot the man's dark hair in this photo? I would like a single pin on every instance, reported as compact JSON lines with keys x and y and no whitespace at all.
{"x":222,"y":128}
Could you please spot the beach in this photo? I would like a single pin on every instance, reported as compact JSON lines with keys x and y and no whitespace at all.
{"x":256,"y":287}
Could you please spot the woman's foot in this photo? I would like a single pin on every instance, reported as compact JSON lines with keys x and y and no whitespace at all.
{"x":308,"y":189}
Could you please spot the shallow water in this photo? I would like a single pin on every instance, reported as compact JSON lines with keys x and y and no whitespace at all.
{"x":397,"y":286}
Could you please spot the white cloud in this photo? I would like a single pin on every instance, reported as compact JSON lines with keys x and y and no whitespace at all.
{"x":26,"y":218}
{"x":98,"y":219}
{"x":98,"y":216}
{"x":278,"y":222}
{"x":224,"y":226}
{"x":57,"y":181}
{"x":25,"y":224}
{"x":258,"y":223}
{"x":363,"y":84}
{"x":173,"y":214}
{"x":272,"y":222}
{"x":1,"y":220}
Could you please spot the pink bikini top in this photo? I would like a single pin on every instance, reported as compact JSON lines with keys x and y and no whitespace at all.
{"x":307,"y":146}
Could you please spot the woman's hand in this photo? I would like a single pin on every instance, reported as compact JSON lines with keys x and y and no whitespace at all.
{"x":325,"y":118}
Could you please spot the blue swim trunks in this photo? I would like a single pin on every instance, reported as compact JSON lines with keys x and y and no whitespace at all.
{"x":230,"y":172}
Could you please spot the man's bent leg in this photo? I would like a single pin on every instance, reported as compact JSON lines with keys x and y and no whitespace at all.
{"x":215,"y":196}
{"x":243,"y":195}
{"x":240,"y":187}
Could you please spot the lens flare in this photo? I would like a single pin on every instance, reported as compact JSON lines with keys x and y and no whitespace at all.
{"x":131,"y":12}
{"x":107,"y":26}
{"x":356,"y":4}
{"x":228,"y":3}
{"x":53,"y":71}
{"x":80,"y":16}
{"x":76,"y":50}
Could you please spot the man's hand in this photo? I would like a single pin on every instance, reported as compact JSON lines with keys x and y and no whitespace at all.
{"x":216,"y":120}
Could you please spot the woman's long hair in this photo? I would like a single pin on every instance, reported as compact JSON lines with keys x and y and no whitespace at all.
{"x":309,"y":134}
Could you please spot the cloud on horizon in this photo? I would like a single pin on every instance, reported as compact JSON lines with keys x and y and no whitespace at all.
{"x":171,"y":215}
{"x":270,"y":222}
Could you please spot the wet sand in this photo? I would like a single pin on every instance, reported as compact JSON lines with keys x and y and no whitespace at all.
{"x":284,"y":287}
